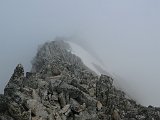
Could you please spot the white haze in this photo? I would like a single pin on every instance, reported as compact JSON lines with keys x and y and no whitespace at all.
{"x":125,"y":34}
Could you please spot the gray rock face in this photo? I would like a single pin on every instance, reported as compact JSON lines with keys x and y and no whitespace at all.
{"x":3,"y":103}
{"x":61,"y":87}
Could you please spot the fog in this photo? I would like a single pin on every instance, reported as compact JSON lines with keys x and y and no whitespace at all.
{"x":124,"y":34}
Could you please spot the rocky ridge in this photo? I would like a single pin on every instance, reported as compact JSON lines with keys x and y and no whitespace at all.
{"x":61,"y":87}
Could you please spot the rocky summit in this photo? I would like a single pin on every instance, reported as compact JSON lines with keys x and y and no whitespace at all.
{"x":61,"y":87}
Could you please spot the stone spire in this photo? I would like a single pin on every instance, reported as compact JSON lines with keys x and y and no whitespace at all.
{"x":18,"y":72}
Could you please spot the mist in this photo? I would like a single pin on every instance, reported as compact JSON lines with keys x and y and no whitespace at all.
{"x":123,"y":34}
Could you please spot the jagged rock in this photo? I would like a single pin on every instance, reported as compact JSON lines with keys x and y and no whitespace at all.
{"x":57,"y":116}
{"x":77,"y":85}
{"x":75,"y":106}
{"x":65,"y":108}
{"x":116,"y":115}
{"x":83,"y":106}
{"x":55,"y":72}
{"x":53,"y":85}
{"x":62,"y":100}
{"x":3,"y":103}
{"x":78,"y":95}
{"x":15,"y":81}
{"x":35,"y":95}
{"x":18,"y":72}
{"x":103,"y":87}
{"x":84,"y":115}
{"x":26,"y":115}
{"x":61,"y":87}
{"x":5,"y":117}
{"x":37,"y":118}
{"x":14,"y":110}
{"x":54,"y":96}
{"x":92,"y":92}
{"x":99,"y":105}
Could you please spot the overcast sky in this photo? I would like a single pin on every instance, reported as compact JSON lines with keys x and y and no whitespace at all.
{"x":124,"y":33}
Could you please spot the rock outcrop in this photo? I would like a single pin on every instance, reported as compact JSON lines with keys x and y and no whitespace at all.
{"x":61,"y":87}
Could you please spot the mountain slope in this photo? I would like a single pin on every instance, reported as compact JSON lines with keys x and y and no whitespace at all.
{"x":61,"y":87}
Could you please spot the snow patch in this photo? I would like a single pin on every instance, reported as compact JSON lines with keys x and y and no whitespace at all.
{"x":86,"y":58}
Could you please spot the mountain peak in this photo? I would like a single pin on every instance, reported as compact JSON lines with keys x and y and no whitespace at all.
{"x":18,"y":72}
{"x":61,"y":87}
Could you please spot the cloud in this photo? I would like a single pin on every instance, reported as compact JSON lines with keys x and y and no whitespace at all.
{"x":123,"y":34}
